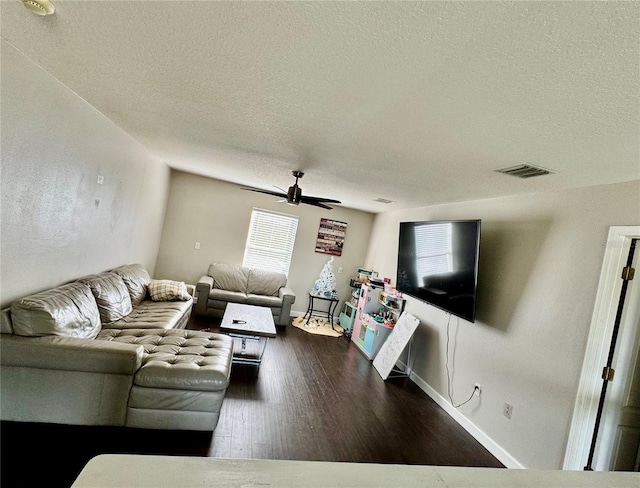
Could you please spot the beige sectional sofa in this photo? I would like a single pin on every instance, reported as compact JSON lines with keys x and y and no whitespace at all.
{"x":226,"y":283}
{"x":111,"y":349}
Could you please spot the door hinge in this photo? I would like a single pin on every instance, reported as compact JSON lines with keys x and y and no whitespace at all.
{"x":628,"y":272}
{"x":607,"y":373}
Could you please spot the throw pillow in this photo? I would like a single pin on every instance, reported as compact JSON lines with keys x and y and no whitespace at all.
{"x":167,"y":290}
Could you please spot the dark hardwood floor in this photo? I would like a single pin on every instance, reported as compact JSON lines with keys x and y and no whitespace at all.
{"x":313,"y":398}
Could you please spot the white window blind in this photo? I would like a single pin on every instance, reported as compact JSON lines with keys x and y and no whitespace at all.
{"x":433,"y":245}
{"x":270,"y":240}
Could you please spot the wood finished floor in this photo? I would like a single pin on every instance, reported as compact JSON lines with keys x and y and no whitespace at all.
{"x":313,"y":398}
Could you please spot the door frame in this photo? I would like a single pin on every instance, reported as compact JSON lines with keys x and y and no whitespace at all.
{"x":597,"y":351}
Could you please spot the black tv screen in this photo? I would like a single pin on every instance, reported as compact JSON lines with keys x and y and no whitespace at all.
{"x":438,"y":264}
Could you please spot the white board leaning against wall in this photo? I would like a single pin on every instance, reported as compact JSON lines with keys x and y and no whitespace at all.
{"x":391,"y":350}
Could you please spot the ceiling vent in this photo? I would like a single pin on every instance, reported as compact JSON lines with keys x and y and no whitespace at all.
{"x":383,"y":200}
{"x":525,"y":171}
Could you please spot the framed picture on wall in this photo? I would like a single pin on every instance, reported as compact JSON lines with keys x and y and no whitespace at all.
{"x":331,"y":237}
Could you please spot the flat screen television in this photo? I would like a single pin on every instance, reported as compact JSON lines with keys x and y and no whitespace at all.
{"x":438,"y":264}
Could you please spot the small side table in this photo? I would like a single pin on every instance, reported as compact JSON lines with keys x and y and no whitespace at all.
{"x":333,"y":303}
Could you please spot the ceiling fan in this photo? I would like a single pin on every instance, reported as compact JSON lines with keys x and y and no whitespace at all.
{"x":294,"y":195}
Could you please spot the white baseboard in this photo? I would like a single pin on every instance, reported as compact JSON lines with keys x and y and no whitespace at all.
{"x":489,"y":444}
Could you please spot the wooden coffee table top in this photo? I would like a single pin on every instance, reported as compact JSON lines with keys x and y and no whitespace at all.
{"x":258,"y":321}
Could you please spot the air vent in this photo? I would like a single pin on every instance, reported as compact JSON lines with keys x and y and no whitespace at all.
{"x":383,"y":200}
{"x":525,"y":171}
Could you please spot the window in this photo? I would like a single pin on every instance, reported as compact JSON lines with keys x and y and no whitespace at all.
{"x":437,"y":255}
{"x":270,"y":240}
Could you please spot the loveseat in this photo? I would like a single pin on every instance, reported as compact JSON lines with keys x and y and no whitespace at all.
{"x":226,"y":283}
{"x":111,"y":349}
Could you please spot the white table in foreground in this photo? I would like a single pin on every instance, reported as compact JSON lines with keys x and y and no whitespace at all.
{"x":248,"y":322}
{"x":126,"y":470}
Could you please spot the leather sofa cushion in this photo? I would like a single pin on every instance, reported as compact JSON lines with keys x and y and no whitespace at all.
{"x":170,"y":399}
{"x":229,"y":277}
{"x":264,"y":301}
{"x":112,"y":296}
{"x":68,"y":310}
{"x":6,"y":327}
{"x":136,"y":277}
{"x":70,"y":354}
{"x":227,"y":296}
{"x":179,"y":359}
{"x":154,"y":315}
{"x":262,"y":282}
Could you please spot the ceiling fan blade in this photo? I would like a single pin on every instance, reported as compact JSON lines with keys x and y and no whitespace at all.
{"x":306,"y":199}
{"x":268,"y":192}
{"x":317,"y":204}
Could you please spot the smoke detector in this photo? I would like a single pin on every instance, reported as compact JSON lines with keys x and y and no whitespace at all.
{"x":40,"y":7}
{"x":525,"y":171}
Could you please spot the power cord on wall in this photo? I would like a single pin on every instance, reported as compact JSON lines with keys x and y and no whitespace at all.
{"x":449,"y":380}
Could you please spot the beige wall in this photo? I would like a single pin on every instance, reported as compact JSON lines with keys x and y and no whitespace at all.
{"x":540,"y":262}
{"x":216,"y":214}
{"x":54,"y":146}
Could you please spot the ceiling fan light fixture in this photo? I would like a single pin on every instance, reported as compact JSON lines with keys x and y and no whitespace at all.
{"x":294,"y":196}
{"x":40,"y":7}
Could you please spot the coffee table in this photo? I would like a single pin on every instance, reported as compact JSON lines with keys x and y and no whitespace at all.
{"x":249,"y":323}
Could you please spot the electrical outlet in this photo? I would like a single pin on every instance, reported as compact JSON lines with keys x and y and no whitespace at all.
{"x":507,"y":410}
{"x":477,"y":389}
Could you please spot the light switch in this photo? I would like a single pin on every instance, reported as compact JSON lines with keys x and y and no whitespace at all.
{"x":197,"y":245}
{"x":340,"y":269}
{"x":100,"y":179}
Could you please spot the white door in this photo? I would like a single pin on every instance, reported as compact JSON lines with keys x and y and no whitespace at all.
{"x":626,"y":447}
{"x":596,"y":354}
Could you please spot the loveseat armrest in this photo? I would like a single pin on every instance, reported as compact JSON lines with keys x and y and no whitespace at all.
{"x":288,"y":297}
{"x":70,"y":354}
{"x":288,"y":294}
{"x":203,"y":287}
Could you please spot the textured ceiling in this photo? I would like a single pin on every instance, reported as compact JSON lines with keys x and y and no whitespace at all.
{"x":417,"y":103}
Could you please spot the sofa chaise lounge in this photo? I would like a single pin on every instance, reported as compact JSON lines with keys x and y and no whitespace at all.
{"x":226,"y":283}
{"x":99,"y":351}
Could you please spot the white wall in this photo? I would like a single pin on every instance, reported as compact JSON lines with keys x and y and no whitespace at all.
{"x":54,"y":146}
{"x":216,"y":214}
{"x":540,"y":262}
